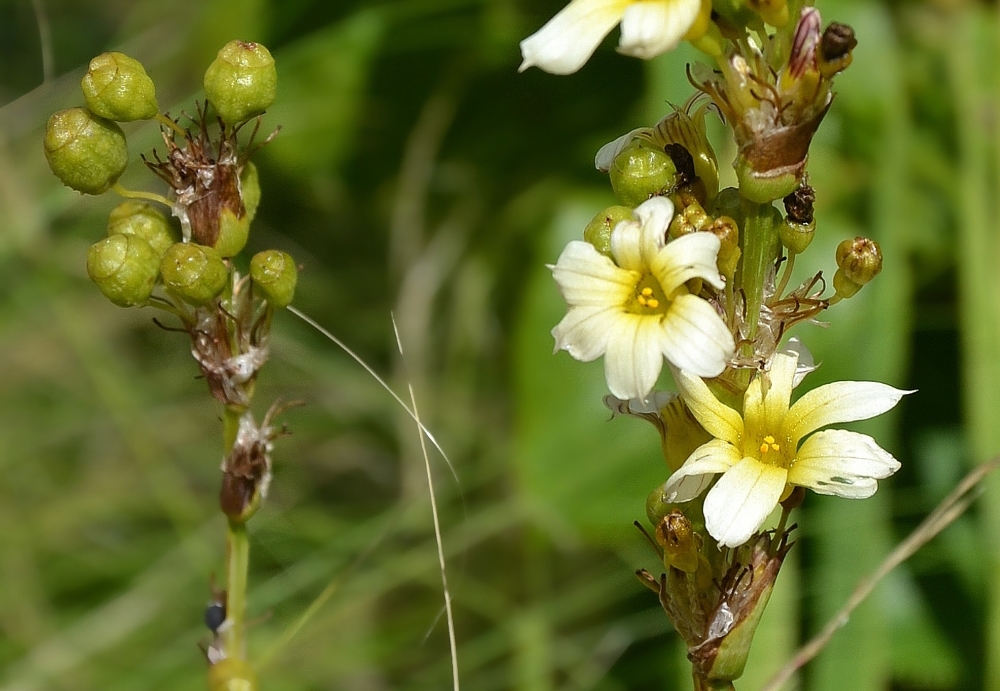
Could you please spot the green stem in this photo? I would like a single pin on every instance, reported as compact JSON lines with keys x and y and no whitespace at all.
{"x":760,"y":251}
{"x":237,"y":554}
{"x":703,"y":684}
{"x":238,"y":549}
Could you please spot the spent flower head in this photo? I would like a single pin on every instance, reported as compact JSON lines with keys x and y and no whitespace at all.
{"x":635,"y":307}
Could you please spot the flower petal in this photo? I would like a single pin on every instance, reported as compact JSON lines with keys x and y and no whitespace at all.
{"x":652,"y":27}
{"x":607,"y":154}
{"x":587,"y":277}
{"x":718,"y":419}
{"x":698,"y":471}
{"x":742,"y":499}
{"x":626,"y":246}
{"x":655,"y":215}
{"x":690,"y":256}
{"x":584,"y":331}
{"x":695,"y":338}
{"x":568,"y":40}
{"x":781,"y":378}
{"x":633,"y":359}
{"x":842,"y":463}
{"x":806,"y":362}
{"x":843,"y":401}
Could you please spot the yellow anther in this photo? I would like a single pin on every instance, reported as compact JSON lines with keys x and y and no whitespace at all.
{"x":643,"y":301}
{"x":769,"y":439}
{"x":763,"y":448}
{"x":775,"y":447}
{"x":653,"y":302}
{"x":647,"y":291}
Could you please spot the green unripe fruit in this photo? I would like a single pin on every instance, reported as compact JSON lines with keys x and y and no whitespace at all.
{"x":233,"y":233}
{"x":242,"y":81}
{"x":657,"y":506}
{"x":125,"y":268}
{"x":232,"y":674}
{"x":250,"y":190}
{"x":85,"y":151}
{"x":117,"y":87}
{"x":860,"y":259}
{"x":763,"y":188}
{"x":796,"y":237}
{"x":598,"y":231}
{"x":641,"y":171}
{"x":142,"y":220}
{"x":845,"y":287}
{"x":193,"y":272}
{"x":274,"y":273}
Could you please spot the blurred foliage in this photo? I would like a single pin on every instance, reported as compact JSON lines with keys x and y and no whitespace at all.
{"x":418,"y":174}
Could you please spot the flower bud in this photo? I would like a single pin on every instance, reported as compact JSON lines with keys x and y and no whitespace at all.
{"x":143,"y":220}
{"x":689,"y":134}
{"x":233,"y":232}
{"x":641,"y":171}
{"x":125,"y":268}
{"x":241,"y":82}
{"x":680,"y":544}
{"x":690,"y":216}
{"x":728,"y":232}
{"x":836,"y":47}
{"x":274,"y":273}
{"x":657,"y":506}
{"x":796,"y":237}
{"x":774,"y":12}
{"x":193,"y":272}
{"x":232,"y":674}
{"x":85,"y":151}
{"x":117,"y":87}
{"x":598,"y":231}
{"x":860,"y":259}
{"x":250,"y":190}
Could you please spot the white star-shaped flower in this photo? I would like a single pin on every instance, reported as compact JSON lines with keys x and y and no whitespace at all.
{"x":649,"y":28}
{"x":761,"y":454}
{"x":636,"y":309}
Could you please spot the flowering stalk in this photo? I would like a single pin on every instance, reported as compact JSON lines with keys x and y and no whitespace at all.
{"x":213,"y":191}
{"x":685,"y":274}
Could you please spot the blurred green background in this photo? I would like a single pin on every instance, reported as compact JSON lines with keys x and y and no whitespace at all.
{"x":418,"y":174}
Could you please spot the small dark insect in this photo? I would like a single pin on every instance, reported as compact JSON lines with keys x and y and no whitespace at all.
{"x":215,"y":615}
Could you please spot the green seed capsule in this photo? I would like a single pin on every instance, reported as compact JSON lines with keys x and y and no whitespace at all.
{"x":142,"y":220}
{"x":250,"y":190}
{"x":85,"y":151}
{"x":845,"y":287}
{"x":232,"y":674}
{"x":193,"y":272}
{"x":241,"y":82}
{"x":125,"y":268}
{"x":117,"y":87}
{"x":598,"y":231}
{"x":860,"y":259}
{"x":641,"y":171}
{"x":274,"y":273}
{"x":233,"y":233}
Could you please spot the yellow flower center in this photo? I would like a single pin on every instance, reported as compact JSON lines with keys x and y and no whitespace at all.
{"x":772,"y":453}
{"x":648,"y":297}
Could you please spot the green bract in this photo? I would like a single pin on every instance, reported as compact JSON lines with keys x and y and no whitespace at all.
{"x":124,"y":267}
{"x":241,"y":82}
{"x":598,"y":231}
{"x":641,"y":171}
{"x":274,"y":273}
{"x":142,"y":220}
{"x":193,"y":272}
{"x":117,"y":87}
{"x":85,"y":151}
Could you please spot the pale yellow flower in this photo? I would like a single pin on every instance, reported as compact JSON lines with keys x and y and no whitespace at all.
{"x":649,"y":28}
{"x":636,"y":309}
{"x":761,"y":454}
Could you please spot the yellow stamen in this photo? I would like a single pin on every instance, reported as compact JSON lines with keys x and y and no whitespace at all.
{"x":643,"y":301}
{"x":646,"y":292}
{"x":763,"y":448}
{"x":652,"y":302}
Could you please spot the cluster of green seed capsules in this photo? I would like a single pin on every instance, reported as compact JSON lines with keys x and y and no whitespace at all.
{"x":214,"y":189}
